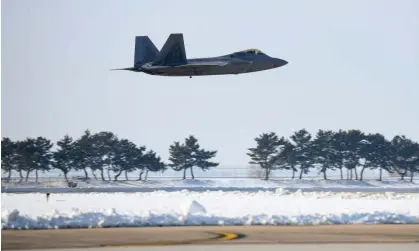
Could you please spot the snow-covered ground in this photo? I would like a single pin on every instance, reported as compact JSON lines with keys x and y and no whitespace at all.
{"x":232,"y":184}
{"x":206,"y":208}
{"x":228,"y":178}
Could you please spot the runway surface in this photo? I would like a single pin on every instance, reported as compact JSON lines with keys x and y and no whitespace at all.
{"x":382,"y":237}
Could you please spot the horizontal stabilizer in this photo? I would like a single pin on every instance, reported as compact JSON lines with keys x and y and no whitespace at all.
{"x":126,"y":69}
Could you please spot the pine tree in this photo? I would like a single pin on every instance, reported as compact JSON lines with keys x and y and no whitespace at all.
{"x":406,"y":156}
{"x":401,"y":147}
{"x":124,"y":155}
{"x":153,"y":163}
{"x":266,"y":153}
{"x":384,"y":158}
{"x":354,"y":140}
{"x":189,"y":155}
{"x":43,"y":156}
{"x":140,"y":160}
{"x":340,"y":150}
{"x":27,"y":151}
{"x":374,"y":150}
{"x":34,"y":155}
{"x":19,"y":159}
{"x":104,"y":145}
{"x":64,"y":156}
{"x":303,"y":150}
{"x":192,"y":147}
{"x":8,"y":156}
{"x":323,"y":151}
{"x":289,"y":155}
{"x":179,"y":157}
{"x":83,"y":151}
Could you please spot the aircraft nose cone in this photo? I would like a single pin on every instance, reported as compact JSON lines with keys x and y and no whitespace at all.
{"x":277,"y":62}
{"x":280,"y":62}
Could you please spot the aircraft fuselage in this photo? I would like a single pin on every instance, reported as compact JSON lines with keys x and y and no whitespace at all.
{"x":223,"y":65}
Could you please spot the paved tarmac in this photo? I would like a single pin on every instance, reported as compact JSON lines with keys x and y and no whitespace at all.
{"x":259,"y":247}
{"x":383,"y":237}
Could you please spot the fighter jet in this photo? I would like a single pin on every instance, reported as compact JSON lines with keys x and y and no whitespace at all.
{"x":172,"y":61}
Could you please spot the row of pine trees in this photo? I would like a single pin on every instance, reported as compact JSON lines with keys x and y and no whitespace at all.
{"x":104,"y":153}
{"x":329,"y":150}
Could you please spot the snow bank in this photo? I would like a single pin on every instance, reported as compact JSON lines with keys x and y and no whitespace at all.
{"x":194,"y":208}
{"x":28,"y":211}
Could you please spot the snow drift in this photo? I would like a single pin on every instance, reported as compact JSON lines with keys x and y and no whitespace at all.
{"x":29,"y":211}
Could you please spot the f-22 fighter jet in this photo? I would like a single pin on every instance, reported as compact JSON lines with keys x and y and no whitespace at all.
{"x":172,"y":61}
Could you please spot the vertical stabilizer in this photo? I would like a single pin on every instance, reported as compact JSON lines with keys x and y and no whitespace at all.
{"x":145,"y":51}
{"x":173,"y":51}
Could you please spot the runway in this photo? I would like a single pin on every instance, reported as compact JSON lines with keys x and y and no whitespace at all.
{"x":361,"y":237}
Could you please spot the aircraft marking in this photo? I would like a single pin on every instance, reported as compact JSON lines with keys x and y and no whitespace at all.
{"x":224,"y":236}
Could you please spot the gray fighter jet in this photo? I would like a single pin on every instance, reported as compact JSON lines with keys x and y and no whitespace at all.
{"x":172,"y":61}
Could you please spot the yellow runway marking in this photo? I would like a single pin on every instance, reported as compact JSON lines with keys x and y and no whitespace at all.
{"x":221,"y":237}
{"x":227,"y":236}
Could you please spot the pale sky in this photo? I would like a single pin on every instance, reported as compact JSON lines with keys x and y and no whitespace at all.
{"x":352,"y":64}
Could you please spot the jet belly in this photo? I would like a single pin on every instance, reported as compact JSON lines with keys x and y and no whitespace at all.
{"x":179,"y":70}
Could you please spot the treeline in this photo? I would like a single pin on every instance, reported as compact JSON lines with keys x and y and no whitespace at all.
{"x":102,"y":153}
{"x":335,"y":150}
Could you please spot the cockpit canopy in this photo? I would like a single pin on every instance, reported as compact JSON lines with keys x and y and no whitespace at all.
{"x":248,"y":52}
{"x":253,"y":51}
